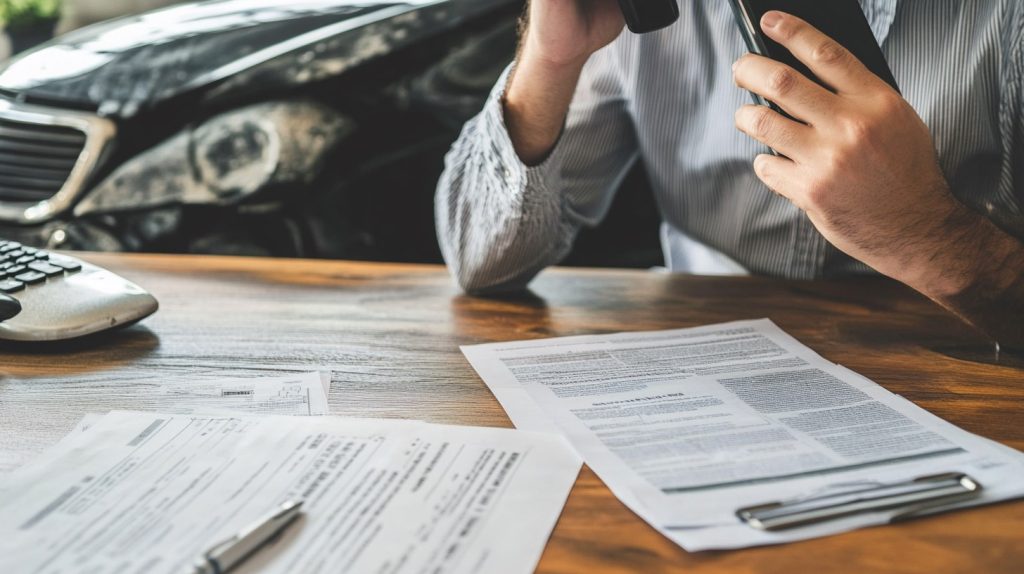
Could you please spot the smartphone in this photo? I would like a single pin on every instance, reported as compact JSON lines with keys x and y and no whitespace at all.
{"x":644,"y":16}
{"x":841,"y":20}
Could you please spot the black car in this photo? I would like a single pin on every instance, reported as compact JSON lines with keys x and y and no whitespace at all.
{"x":307,"y":127}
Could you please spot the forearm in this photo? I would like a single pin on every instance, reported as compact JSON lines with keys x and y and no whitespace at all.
{"x":498,"y":222}
{"x":557,"y":39}
{"x":501,"y":210}
{"x":978,"y":274}
{"x":537,"y":102}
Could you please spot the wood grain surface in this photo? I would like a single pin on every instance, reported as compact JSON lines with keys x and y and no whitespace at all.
{"x":390,"y":335}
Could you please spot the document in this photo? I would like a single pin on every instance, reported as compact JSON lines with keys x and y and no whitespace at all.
{"x":299,"y":394}
{"x":145,"y":492}
{"x":287,"y":394}
{"x":687,"y":426}
{"x":293,"y":394}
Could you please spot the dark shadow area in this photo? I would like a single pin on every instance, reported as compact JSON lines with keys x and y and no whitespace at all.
{"x":983,"y":354}
{"x":519,"y":315}
{"x":130,"y":342}
{"x":629,"y":235}
{"x":525,"y":298}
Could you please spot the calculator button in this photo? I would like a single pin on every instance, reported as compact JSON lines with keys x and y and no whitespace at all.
{"x":16,"y":269}
{"x":67,"y":264}
{"x":46,"y":268}
{"x":31,"y":277}
{"x":11,"y":285}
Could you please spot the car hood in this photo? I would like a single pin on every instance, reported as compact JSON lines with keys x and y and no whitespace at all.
{"x":122,"y":66}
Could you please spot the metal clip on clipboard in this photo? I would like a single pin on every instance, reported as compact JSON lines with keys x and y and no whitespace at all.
{"x":912,"y":498}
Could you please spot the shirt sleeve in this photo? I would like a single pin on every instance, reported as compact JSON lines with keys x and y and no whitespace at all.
{"x":499,"y":222}
{"x":1009,"y":214}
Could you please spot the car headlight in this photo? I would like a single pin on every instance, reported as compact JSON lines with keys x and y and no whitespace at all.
{"x":226,"y":159}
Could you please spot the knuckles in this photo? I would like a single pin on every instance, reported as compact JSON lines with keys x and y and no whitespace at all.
{"x":757,"y":121}
{"x":867,"y":129}
{"x":829,"y":52}
{"x":891,"y":104}
{"x":761,"y":122}
{"x":834,"y":164}
{"x":781,"y":82}
{"x":789,"y":27}
{"x":816,"y":192}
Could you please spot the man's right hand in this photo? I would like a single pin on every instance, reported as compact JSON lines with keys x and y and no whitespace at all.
{"x":560,"y":37}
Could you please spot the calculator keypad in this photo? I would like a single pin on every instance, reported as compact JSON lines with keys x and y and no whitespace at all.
{"x":21,"y":265}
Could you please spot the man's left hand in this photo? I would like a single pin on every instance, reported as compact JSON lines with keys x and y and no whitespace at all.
{"x":862,"y":164}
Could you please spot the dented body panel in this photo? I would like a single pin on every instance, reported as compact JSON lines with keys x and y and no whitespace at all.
{"x":261,"y":127}
{"x":230,"y":47}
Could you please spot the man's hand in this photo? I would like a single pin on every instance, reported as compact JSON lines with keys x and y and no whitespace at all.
{"x":559,"y":38}
{"x":863,"y":167}
{"x":567,"y":32}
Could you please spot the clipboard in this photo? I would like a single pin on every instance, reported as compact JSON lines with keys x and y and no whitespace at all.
{"x":910,"y":498}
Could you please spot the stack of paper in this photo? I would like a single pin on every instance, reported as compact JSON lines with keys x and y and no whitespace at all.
{"x":688,"y":426}
{"x":145,"y":492}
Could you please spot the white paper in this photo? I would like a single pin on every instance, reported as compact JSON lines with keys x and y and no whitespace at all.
{"x":267,"y":395}
{"x":145,"y":492}
{"x":293,"y":394}
{"x":687,"y":426}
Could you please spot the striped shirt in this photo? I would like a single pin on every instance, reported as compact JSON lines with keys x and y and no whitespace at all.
{"x":668,"y":99}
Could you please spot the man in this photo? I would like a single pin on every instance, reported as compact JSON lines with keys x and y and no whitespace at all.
{"x":865,"y":184}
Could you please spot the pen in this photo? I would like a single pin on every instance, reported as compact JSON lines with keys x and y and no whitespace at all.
{"x":225,"y":555}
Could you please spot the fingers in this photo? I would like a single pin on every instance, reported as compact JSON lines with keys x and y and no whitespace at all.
{"x":831,"y":62}
{"x":774,"y":130}
{"x":781,"y":175}
{"x":790,"y":90}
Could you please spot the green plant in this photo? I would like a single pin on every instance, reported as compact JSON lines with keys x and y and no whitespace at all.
{"x":25,"y":13}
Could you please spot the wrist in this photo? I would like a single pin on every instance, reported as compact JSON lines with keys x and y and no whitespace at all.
{"x":972,"y":254}
{"x":551,"y":67}
{"x":555,"y":62}
{"x":989,"y":291}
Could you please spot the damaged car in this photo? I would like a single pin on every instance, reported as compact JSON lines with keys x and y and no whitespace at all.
{"x":311,"y":128}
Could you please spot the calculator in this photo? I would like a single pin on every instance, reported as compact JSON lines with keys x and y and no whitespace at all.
{"x":52,"y":297}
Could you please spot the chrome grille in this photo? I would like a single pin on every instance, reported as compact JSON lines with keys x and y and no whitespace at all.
{"x":36,"y":160}
{"x":47,"y":157}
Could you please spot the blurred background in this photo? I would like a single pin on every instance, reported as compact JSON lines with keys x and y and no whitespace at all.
{"x":301,"y":128}
{"x":36,"y":21}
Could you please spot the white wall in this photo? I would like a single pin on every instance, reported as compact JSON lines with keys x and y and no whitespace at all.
{"x":78,"y":13}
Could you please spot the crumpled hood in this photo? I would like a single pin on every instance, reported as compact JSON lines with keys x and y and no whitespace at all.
{"x":123,"y":65}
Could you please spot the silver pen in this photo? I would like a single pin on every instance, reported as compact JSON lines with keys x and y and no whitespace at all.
{"x":225,"y":555}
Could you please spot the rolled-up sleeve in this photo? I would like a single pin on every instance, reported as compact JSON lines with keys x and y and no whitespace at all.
{"x":500,"y":222}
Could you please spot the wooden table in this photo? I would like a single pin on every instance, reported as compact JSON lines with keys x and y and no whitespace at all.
{"x":390,"y":334}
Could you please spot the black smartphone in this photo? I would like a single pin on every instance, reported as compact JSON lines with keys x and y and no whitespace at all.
{"x":841,"y":20}
{"x":649,"y":15}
